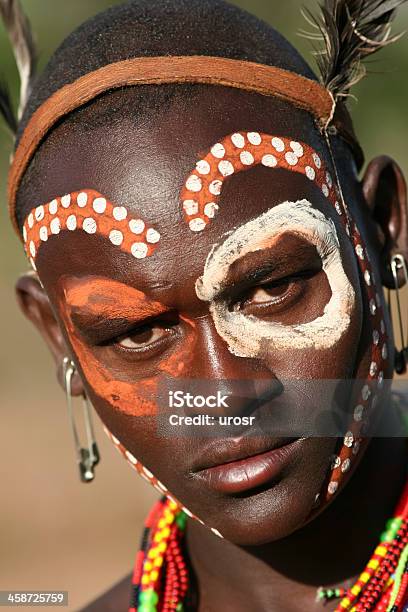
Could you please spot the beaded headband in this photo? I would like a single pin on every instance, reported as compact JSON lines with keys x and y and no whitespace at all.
{"x":300,"y":91}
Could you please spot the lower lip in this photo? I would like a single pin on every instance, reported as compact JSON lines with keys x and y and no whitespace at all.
{"x":250,"y":473}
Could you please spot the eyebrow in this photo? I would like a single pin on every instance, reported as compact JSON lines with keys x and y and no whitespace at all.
{"x":101,"y":302}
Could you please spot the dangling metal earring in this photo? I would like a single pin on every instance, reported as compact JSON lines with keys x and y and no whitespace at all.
{"x":87,"y":457}
{"x":401,"y":357}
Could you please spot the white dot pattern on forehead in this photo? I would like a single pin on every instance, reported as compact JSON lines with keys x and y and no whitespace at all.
{"x":247,"y":158}
{"x":269,"y":161}
{"x":210,"y":209}
{"x":291,"y":158}
{"x":278,"y":144}
{"x":92,"y":213}
{"x":203,"y":167}
{"x":218,"y":151}
{"x":238,"y":140}
{"x":254,"y":138}
{"x":190,"y":207}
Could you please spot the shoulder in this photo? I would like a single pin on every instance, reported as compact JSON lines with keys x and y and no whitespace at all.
{"x":115,"y":599}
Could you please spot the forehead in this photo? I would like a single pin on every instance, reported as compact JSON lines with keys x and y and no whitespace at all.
{"x":142,"y":162}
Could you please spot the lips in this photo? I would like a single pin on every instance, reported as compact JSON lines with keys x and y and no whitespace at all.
{"x":238,"y":465}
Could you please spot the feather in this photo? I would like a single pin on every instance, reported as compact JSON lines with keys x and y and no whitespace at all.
{"x":22,"y":40}
{"x":351,"y":31}
{"x":6,"y":108}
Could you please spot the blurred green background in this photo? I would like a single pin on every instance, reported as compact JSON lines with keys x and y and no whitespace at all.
{"x":56,"y":533}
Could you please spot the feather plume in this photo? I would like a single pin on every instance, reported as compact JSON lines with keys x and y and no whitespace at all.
{"x":22,"y":40}
{"x":351,"y":31}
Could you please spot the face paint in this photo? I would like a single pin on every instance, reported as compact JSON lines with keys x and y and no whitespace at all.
{"x":249,"y":336}
{"x":102,"y":301}
{"x":87,"y":210}
{"x":240,"y":152}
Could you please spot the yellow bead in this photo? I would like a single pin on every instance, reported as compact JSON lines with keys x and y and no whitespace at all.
{"x":356,"y":589}
{"x":345,"y":603}
{"x":154,"y":575}
{"x":165,"y":533}
{"x":161,"y":547}
{"x":161,"y":523}
{"x":158,"y":537}
{"x":153,"y":552}
{"x":381,"y":551}
{"x":158,"y":562}
{"x":365,"y":577}
{"x":145,"y":579}
{"x":173,"y":505}
{"x":147,"y":566}
{"x":373,"y":564}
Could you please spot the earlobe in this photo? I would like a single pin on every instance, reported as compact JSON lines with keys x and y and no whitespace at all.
{"x":36,"y":307}
{"x":385,"y":192}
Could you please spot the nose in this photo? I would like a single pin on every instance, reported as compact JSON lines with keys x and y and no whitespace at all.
{"x":237,"y":386}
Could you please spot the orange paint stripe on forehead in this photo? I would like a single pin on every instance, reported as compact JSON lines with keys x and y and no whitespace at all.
{"x":242,"y":151}
{"x":103,"y":296}
{"x":88,"y":211}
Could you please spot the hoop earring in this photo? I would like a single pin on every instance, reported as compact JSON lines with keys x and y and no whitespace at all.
{"x":401,"y":356}
{"x":87,"y":457}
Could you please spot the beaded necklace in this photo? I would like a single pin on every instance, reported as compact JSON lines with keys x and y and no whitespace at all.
{"x":160,"y":578}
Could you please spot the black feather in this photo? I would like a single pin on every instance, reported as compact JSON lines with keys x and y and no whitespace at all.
{"x":6,"y":108}
{"x":351,"y":31}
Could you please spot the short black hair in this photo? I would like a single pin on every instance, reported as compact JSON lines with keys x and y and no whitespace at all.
{"x":145,"y":28}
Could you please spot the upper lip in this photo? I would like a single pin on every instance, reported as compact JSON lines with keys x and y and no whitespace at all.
{"x":228,"y":450}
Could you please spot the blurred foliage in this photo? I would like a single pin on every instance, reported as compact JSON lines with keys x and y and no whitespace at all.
{"x":379,"y":113}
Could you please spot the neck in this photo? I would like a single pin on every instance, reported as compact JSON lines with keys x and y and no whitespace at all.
{"x":329,"y":551}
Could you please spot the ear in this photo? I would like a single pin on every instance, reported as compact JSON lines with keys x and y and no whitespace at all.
{"x":36,"y":307}
{"x":385,"y":192}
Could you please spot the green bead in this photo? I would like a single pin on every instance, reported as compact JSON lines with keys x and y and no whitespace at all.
{"x":181,"y":520}
{"x":149,"y":597}
{"x":179,"y":607}
{"x":147,"y":607}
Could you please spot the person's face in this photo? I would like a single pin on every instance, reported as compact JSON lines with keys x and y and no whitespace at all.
{"x":134,"y":324}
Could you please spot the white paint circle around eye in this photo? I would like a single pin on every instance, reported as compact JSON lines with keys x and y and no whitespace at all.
{"x":291,"y":158}
{"x":119,"y":213}
{"x":317,"y":161}
{"x":218,"y":150}
{"x":190,"y":207}
{"x":247,"y":158}
{"x":297,"y":148}
{"x":278,"y":144}
{"x":254,"y":138}
{"x":152,"y":236}
{"x":203,"y":167}
{"x":116,"y":237}
{"x":215,"y":187}
{"x":82,"y":199}
{"x":55,"y":226}
{"x":269,"y":161}
{"x":53,"y":207}
{"x":238,"y":140}
{"x":99,"y":205}
{"x":39,"y":213}
{"x":139,"y":250}
{"x":194,"y":183}
{"x":66,"y":200}
{"x":367,"y":277}
{"x":136,"y":226}
{"x":197,"y":225}
{"x":226,"y":168}
{"x":43,"y":233}
{"x":210,"y":209}
{"x":310,"y":173}
{"x":72,"y":222}
{"x":32,"y":249}
{"x":24,"y":233}
{"x":89,"y":225}
{"x":30,"y":220}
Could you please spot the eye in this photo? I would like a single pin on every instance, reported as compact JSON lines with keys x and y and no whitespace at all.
{"x":260,"y":295}
{"x":142,"y":337}
{"x":271,"y":298}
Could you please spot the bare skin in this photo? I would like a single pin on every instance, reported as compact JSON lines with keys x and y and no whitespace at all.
{"x":266,"y":564}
